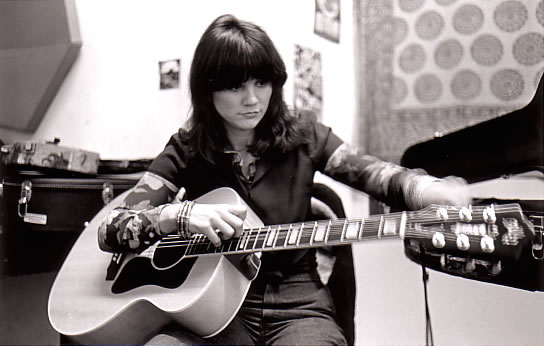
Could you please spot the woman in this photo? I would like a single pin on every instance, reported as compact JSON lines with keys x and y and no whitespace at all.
{"x":242,"y":136}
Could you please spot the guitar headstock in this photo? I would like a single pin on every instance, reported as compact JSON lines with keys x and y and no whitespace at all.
{"x":472,"y":241}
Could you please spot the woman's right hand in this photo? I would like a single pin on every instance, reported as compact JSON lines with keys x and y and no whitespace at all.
{"x":217,"y":221}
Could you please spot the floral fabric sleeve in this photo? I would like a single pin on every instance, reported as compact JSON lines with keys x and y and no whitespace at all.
{"x":133,"y":226}
{"x":385,"y":181}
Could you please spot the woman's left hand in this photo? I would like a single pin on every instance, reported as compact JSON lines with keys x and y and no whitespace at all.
{"x":448,"y":191}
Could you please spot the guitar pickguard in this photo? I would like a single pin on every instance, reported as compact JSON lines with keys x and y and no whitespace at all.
{"x":140,"y":272}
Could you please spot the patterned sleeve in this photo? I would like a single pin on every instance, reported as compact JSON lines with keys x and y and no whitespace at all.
{"x":390,"y":183}
{"x":133,"y":226}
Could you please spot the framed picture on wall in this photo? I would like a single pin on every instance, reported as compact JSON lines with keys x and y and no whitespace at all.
{"x":327,"y":19}
{"x":308,"y":80}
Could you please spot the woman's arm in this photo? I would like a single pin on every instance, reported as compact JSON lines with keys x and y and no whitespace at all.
{"x":133,"y":225}
{"x":151,"y":210}
{"x":393,"y":184}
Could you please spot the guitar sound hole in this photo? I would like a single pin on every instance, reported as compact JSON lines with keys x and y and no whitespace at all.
{"x":139,"y":272}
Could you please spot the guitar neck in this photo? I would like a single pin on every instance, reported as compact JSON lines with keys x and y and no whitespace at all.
{"x":302,"y":235}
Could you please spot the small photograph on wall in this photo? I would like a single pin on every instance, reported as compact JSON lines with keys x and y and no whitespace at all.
{"x":169,"y":73}
{"x":308,"y":81}
{"x":327,"y":19}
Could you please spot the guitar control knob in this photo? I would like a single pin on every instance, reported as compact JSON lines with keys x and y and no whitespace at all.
{"x":465,"y":214}
{"x":463,"y":242}
{"x":487,"y":244}
{"x":438,"y":240}
{"x":489,"y":214}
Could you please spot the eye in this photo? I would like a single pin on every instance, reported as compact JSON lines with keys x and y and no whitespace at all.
{"x":261,"y":83}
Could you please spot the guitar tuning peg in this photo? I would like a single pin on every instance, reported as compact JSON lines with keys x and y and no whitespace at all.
{"x":438,"y":240}
{"x":462,"y":242}
{"x":489,"y":214}
{"x":465,"y":214}
{"x":487,"y":244}
{"x":442,"y":213}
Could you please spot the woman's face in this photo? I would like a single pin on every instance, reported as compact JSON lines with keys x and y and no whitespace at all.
{"x":242,"y":108}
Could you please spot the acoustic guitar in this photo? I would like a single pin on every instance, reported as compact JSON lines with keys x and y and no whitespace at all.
{"x":126,"y":299}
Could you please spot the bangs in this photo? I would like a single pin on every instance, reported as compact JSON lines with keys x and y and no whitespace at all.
{"x":239,"y":61}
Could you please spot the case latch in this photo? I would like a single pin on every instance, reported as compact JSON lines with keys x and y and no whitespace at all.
{"x":22,"y":208}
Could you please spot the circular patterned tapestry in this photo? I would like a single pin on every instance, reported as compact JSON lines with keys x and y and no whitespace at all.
{"x":466,"y":52}
{"x":507,"y":84}
{"x":429,"y":25}
{"x":412,"y":58}
{"x":448,"y":54}
{"x":529,"y":49}
{"x":466,"y":84}
{"x":486,"y":50}
{"x":510,"y":15}
{"x":468,"y":19}
{"x":441,"y":65}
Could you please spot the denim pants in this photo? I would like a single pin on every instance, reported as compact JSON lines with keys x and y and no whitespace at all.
{"x":295,"y":310}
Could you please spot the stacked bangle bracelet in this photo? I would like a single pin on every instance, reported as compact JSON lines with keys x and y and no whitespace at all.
{"x":182,"y":219}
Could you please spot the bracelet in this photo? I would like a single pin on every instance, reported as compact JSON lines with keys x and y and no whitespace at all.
{"x":158,"y":225}
{"x":182,"y":219}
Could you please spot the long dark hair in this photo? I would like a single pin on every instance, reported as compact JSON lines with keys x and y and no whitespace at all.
{"x":230,"y":52}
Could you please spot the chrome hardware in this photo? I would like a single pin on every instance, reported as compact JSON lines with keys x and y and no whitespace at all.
{"x":465,"y":214}
{"x":463,"y":242}
{"x":487,"y":244}
{"x":442,"y":213}
{"x":26,"y":195}
{"x":107,"y":192}
{"x":438,"y":240}
{"x":489,"y":214}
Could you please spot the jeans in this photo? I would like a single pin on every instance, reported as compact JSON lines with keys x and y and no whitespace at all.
{"x":296,"y":310}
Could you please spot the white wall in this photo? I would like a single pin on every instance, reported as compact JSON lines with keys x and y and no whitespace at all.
{"x":110,"y":102}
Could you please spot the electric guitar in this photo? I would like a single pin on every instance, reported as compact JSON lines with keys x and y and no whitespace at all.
{"x":97,"y":299}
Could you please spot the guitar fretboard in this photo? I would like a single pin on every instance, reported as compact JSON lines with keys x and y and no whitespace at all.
{"x":298,"y":235}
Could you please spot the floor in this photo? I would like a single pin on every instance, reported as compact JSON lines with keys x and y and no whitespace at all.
{"x":23,"y":310}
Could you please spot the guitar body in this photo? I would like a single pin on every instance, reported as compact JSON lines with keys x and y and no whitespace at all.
{"x":83,"y":307}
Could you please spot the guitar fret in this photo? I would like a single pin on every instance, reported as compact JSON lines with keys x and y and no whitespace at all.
{"x":380,"y":227}
{"x":344,"y":228}
{"x":336,"y":231}
{"x":276,"y":235}
{"x":312,"y":237}
{"x":269,"y":237}
{"x":242,"y":243}
{"x":300,"y":233}
{"x":256,"y":238}
{"x":293,"y":238}
{"x":352,"y":230}
{"x":306,"y":239}
{"x":328,"y":232}
{"x":287,"y":236}
{"x":361,"y":230}
{"x":389,"y":227}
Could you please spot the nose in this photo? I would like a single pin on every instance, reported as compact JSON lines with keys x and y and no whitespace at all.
{"x":250,"y":95}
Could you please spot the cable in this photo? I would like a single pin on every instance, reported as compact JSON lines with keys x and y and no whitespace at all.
{"x":428,"y":327}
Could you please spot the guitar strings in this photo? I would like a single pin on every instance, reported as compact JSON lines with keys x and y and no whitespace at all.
{"x":336,"y":228}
